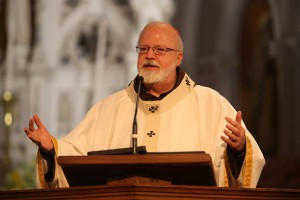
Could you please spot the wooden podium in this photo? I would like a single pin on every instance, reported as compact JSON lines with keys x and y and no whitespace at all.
{"x":151,"y":176}
{"x":152,"y":168}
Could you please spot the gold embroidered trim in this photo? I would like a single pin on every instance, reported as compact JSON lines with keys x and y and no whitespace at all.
{"x":247,"y":172}
{"x":55,"y":144}
{"x":40,"y":169}
{"x":227,"y":182}
{"x":248,"y":163}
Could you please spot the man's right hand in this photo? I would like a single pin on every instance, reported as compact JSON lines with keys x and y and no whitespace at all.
{"x":40,"y":136}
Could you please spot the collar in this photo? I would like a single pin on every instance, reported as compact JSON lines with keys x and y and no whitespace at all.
{"x":174,"y":96}
{"x":149,"y":97}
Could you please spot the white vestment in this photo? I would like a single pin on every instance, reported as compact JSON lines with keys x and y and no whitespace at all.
{"x":190,"y":118}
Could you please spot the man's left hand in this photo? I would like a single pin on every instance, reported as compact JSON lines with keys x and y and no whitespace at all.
{"x":235,"y":132}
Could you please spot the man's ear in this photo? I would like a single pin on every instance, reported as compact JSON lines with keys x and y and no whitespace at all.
{"x":179,"y":58}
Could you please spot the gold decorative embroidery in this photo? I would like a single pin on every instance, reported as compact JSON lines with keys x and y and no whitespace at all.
{"x":40,"y":164}
{"x":227,"y":181}
{"x":247,"y":172}
{"x":40,"y":171}
{"x":248,"y":163}
{"x":55,"y":144}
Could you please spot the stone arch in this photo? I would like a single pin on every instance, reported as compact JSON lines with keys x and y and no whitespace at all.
{"x":67,"y":27}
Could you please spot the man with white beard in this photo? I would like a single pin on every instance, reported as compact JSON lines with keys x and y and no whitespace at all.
{"x":174,"y":115}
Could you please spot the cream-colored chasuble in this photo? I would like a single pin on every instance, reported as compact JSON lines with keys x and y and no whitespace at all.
{"x":190,"y":118}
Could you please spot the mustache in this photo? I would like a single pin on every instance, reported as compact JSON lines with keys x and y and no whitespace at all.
{"x":150,"y":62}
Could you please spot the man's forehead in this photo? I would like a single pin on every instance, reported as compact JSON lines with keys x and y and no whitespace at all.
{"x":156,"y":38}
{"x":159,"y":34}
{"x":163,"y":27}
{"x":174,"y":29}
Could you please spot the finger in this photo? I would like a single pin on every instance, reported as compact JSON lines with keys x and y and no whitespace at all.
{"x":28,"y":133}
{"x":26,"y":130}
{"x":38,"y":121}
{"x":233,"y":142}
{"x":231,"y":121}
{"x":227,"y":140}
{"x":31,"y":124}
{"x":236,"y":131}
{"x":238,"y":117}
{"x":234,"y":123}
{"x":233,"y":129}
{"x":236,"y":146}
{"x":231,"y":136}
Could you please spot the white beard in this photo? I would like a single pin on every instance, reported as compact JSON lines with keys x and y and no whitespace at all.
{"x":156,"y":75}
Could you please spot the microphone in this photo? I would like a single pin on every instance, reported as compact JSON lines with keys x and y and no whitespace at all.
{"x":128,"y":150}
{"x":140,"y":80}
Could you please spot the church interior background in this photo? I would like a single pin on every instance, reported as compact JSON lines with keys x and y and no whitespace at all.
{"x":58,"y":57}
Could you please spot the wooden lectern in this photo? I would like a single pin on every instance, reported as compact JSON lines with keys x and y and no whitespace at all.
{"x":152,"y":168}
{"x":149,"y":176}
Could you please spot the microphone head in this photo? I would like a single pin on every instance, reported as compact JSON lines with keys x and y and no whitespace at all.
{"x":140,"y":79}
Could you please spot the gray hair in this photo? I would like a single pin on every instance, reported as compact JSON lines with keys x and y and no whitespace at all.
{"x":158,"y":23}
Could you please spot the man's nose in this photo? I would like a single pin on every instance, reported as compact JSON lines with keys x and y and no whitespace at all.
{"x":150,"y":53}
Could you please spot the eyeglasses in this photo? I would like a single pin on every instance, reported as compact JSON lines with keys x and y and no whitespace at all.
{"x":158,"y":50}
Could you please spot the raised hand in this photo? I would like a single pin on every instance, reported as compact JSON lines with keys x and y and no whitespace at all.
{"x":40,"y":135}
{"x":235,"y":132}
